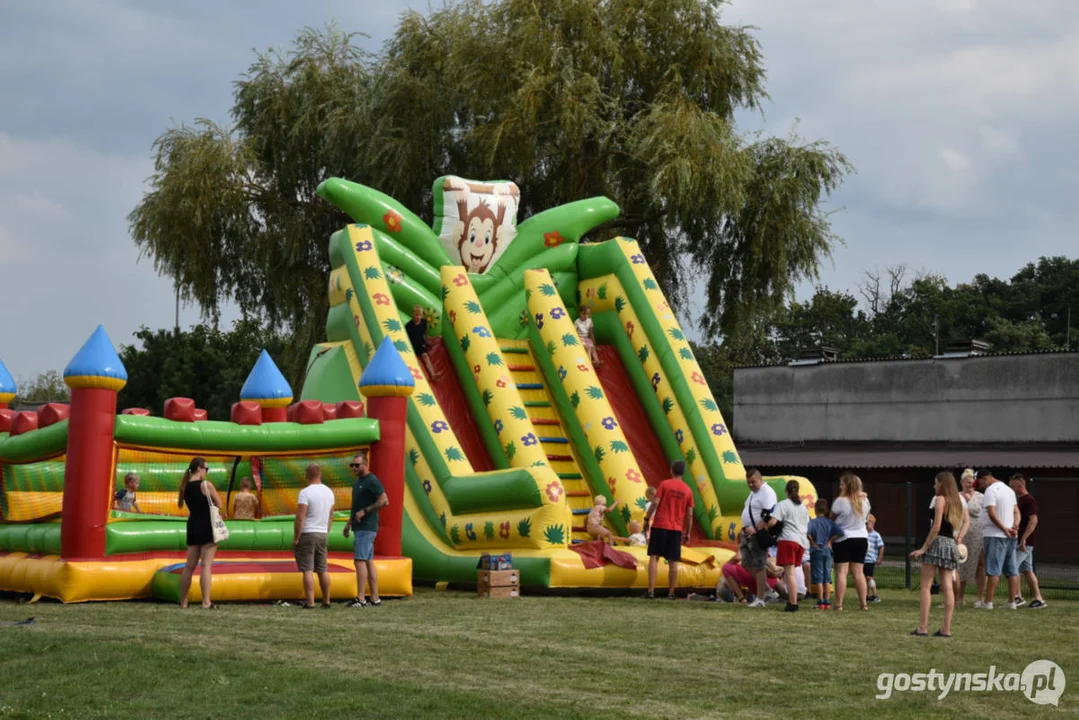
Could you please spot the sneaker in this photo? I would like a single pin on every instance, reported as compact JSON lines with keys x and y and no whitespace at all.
{"x":1010,"y":606}
{"x":771,"y":596}
{"x":1019,"y":601}
{"x":358,"y":603}
{"x":979,"y":605}
{"x":1037,"y":604}
{"x":758,"y":603}
{"x":649,"y":596}
{"x":875,"y":598}
{"x":790,"y":608}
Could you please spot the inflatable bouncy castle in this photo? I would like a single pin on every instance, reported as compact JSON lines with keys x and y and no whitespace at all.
{"x":503,"y":453}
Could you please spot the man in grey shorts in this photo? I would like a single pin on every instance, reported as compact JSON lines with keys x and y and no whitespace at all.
{"x":314,"y":518}
{"x":761,"y":500}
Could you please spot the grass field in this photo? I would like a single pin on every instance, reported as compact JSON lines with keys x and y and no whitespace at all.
{"x":449,"y":655}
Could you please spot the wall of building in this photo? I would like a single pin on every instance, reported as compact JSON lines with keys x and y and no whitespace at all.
{"x":1012,"y":398}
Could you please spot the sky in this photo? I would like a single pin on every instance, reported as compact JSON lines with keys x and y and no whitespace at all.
{"x":959,"y":116}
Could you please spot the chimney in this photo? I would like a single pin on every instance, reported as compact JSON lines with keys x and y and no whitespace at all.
{"x":816,"y":356}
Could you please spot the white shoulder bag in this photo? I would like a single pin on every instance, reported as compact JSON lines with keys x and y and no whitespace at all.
{"x":220,"y":529}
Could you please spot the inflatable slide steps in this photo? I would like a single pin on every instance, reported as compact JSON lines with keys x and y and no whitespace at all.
{"x":550,"y":431}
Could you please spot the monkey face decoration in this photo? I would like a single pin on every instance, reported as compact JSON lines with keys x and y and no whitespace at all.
{"x":479,"y":235}
{"x":475,"y":221}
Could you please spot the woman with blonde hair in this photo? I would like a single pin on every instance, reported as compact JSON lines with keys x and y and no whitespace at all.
{"x":974,"y":567}
{"x":197,"y":493}
{"x":940,"y":552}
{"x":850,"y":511}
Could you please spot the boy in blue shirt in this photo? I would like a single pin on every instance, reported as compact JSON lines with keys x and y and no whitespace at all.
{"x":822,"y":531}
{"x":873,"y":555}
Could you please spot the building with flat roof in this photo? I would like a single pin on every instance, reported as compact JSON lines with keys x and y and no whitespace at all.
{"x":896,"y":420}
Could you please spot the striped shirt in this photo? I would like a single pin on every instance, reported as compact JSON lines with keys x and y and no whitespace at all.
{"x":872,"y":554}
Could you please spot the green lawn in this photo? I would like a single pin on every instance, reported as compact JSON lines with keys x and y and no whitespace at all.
{"x":447,"y":654}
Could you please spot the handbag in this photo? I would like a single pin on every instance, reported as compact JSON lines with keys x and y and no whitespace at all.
{"x":220,"y":529}
{"x":769,"y":536}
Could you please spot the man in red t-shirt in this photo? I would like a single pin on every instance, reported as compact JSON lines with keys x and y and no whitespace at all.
{"x":670,"y":516}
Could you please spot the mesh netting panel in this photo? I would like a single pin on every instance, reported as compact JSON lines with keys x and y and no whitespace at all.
{"x":160,"y":475}
{"x":32,"y":491}
{"x":283,"y":478}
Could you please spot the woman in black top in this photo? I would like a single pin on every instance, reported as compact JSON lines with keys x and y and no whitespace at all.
{"x":940,"y":552}
{"x":197,"y":494}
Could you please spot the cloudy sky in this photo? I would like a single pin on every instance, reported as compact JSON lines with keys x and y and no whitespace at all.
{"x":959,"y":115}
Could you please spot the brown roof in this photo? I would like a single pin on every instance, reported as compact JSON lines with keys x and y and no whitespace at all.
{"x":913,"y":455}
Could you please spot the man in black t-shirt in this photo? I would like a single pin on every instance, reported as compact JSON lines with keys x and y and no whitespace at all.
{"x":417,"y":335}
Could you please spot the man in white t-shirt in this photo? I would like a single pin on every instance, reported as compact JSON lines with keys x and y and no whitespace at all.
{"x":761,"y":499}
{"x":1000,"y":526}
{"x":314,"y":517}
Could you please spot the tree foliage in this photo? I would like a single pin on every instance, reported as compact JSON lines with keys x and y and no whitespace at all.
{"x":902,"y":314}
{"x":914,"y":316}
{"x":203,"y":363}
{"x":47,"y":386}
{"x":568,"y":98}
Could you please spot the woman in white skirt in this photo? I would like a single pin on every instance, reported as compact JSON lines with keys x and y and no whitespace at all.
{"x":940,"y":552}
{"x":973,"y":570}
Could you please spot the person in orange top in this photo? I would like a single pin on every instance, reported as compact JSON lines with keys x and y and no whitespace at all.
{"x":245,"y":506}
{"x":670,"y":517}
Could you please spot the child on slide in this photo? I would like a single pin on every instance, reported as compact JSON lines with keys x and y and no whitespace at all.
{"x":586,"y":331}
{"x":594,"y":524}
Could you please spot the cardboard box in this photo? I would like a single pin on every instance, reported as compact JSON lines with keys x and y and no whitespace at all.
{"x":500,"y":592}
{"x":498,"y":578}
{"x":498,"y":583}
{"x":496,"y":562}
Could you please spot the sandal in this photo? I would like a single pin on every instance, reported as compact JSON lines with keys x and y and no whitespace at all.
{"x":915,"y":633}
{"x":938,"y":633}
{"x":211,"y":606}
{"x":376,"y":603}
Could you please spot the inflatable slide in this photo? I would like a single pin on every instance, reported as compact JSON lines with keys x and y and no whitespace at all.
{"x":520,"y":393}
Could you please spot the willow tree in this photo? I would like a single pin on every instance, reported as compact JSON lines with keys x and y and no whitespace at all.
{"x":630,"y":99}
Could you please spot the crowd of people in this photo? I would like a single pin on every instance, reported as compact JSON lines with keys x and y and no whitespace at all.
{"x":315,"y":507}
{"x":980,"y":531}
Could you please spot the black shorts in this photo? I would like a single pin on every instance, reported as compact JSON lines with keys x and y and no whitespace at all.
{"x":850,"y":551}
{"x":666,"y":544}
{"x":867,"y":569}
